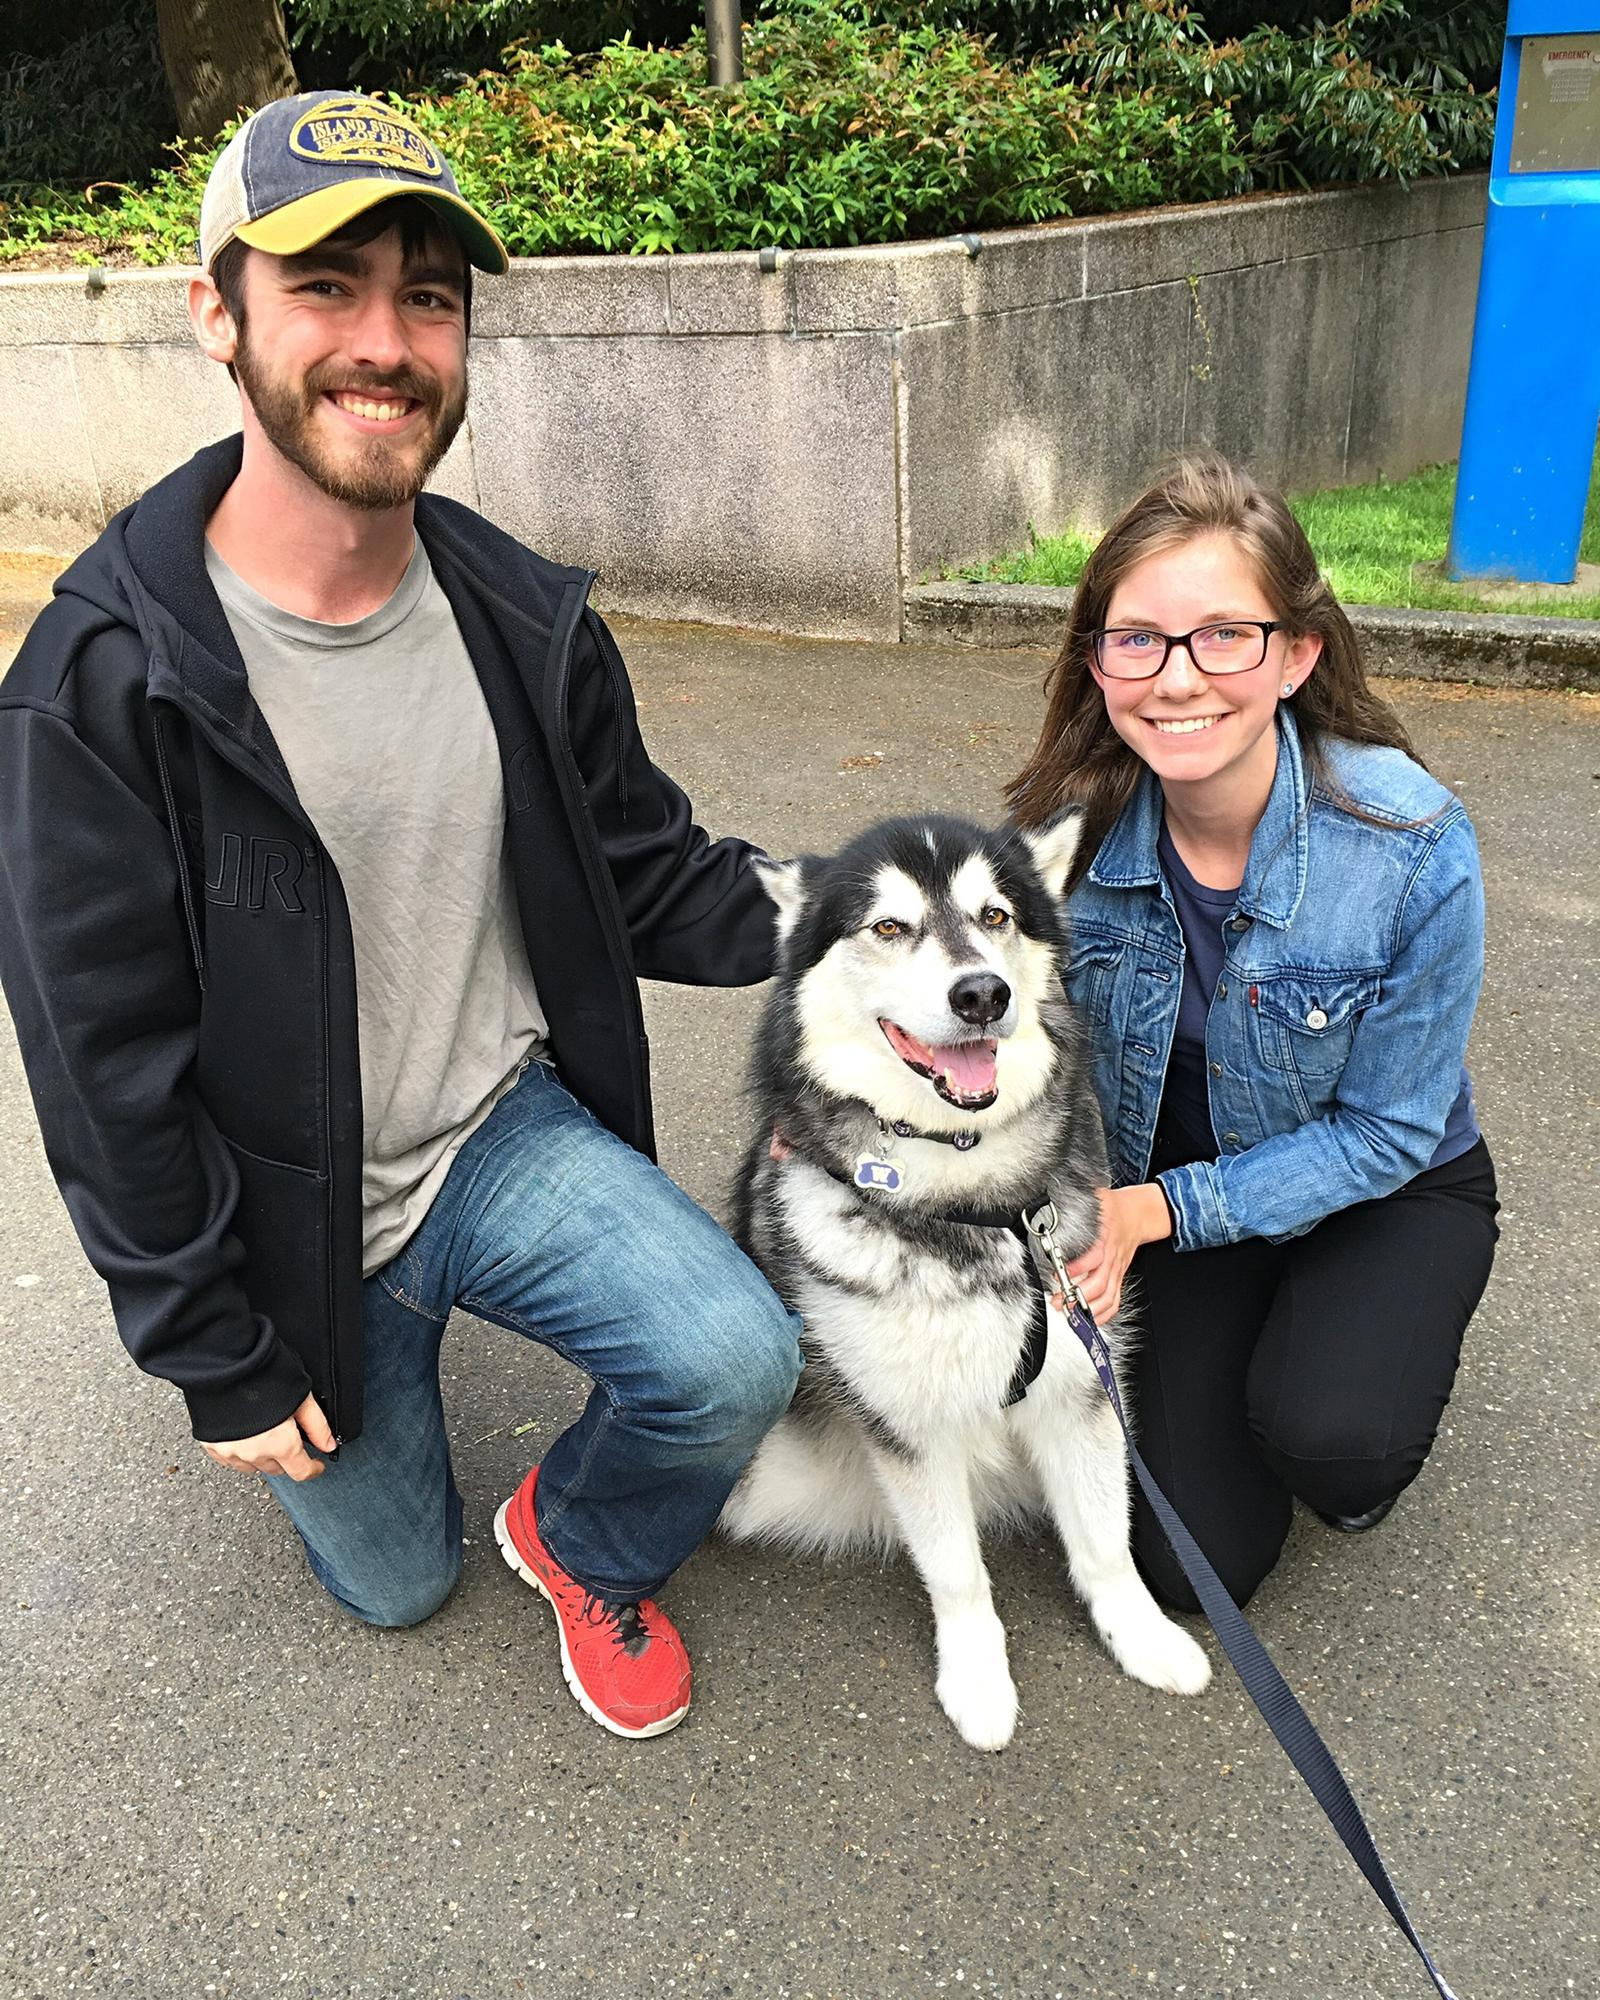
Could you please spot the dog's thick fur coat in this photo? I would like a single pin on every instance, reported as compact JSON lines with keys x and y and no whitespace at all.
{"x":920,"y":983}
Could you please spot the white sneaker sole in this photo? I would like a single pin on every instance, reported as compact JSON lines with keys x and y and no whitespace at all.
{"x":508,"y":1549}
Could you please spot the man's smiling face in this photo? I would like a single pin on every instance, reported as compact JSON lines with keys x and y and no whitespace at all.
{"x":353,"y":359}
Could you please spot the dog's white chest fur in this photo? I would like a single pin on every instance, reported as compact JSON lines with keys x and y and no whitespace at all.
{"x":931,"y":1346}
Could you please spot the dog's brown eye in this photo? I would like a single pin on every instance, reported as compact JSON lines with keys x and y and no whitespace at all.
{"x":887,"y":927}
{"x":995,"y":919}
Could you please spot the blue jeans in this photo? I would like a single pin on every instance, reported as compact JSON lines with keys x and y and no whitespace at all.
{"x":550,"y":1225}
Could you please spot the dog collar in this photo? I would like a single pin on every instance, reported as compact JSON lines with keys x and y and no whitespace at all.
{"x":962,"y":1141}
{"x":878,"y":1168}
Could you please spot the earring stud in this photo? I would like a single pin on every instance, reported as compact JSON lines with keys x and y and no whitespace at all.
{"x":1288,"y":687}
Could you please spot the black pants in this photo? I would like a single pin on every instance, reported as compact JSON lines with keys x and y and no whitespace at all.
{"x":1316,"y":1369}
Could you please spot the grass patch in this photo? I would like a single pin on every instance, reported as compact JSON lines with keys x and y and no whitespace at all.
{"x":1366,"y":538}
{"x":1046,"y":559}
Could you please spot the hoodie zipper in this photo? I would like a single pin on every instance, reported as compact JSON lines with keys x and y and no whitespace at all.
{"x":174,"y":827}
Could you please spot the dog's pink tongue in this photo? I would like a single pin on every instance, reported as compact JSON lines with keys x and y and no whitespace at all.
{"x":968,"y":1067}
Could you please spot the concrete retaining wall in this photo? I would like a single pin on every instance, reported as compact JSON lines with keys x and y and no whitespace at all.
{"x":1488,"y":649}
{"x":789,"y":449}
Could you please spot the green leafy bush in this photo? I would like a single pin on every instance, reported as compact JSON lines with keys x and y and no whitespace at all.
{"x":1312,"y":106}
{"x":157,"y":223}
{"x":385,"y":27}
{"x":90,"y":103}
{"x":1463,"y":35}
{"x":845,"y":132}
{"x":1467,"y":36}
{"x":429,"y":42}
{"x":849,"y":130}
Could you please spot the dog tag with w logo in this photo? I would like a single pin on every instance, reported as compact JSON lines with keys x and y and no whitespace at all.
{"x":873,"y":1171}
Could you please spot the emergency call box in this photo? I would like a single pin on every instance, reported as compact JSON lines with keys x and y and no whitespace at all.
{"x":1533,"y":394}
{"x":1556,"y":121}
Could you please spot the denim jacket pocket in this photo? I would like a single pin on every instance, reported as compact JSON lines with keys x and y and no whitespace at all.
{"x":1090,"y":977}
{"x":1308,"y":1023}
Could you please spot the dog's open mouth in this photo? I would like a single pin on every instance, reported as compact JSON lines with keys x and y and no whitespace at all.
{"x":961,"y":1072}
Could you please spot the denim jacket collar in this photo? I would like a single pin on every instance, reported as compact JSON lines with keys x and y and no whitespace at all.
{"x":1275,"y":874}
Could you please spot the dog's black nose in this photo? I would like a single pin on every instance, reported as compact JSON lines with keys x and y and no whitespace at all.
{"x":980,"y":997}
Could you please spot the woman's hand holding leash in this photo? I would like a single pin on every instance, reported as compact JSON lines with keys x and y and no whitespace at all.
{"x":1129,"y":1218}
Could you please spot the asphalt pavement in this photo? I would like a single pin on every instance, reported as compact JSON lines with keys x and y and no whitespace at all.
{"x":216,"y":1784}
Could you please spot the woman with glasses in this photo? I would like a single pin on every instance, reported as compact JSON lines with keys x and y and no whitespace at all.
{"x":1277,"y":945}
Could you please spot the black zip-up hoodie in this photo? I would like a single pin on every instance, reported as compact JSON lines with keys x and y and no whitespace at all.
{"x":176,"y":950}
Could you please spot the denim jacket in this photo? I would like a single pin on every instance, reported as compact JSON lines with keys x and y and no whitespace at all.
{"x":1335,"y":1038}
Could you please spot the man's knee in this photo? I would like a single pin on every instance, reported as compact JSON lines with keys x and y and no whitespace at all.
{"x":775,"y":1369}
{"x":745,"y":1368}
{"x":392,"y":1592}
{"x":403,"y":1601}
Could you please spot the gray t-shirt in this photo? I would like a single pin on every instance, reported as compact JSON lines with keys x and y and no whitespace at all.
{"x":387,"y":737}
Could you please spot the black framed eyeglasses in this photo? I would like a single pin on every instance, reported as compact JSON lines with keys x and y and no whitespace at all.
{"x":1135,"y":653}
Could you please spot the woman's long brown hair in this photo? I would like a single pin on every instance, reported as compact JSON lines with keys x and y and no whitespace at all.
{"x":1079,"y":758}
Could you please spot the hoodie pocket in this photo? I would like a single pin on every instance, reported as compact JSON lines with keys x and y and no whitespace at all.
{"x":281,"y":1219}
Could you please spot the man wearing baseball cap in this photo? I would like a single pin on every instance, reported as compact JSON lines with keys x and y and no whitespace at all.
{"x":330,"y":857}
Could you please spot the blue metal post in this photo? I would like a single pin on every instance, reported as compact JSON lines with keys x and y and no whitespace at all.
{"x":1533,"y":394}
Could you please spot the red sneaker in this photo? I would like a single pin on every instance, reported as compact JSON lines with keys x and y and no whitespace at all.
{"x":625,"y":1663}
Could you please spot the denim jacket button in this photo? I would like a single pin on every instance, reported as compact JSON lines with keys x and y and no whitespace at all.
{"x":1231,"y":1141}
{"x":1215,"y":1068}
{"x":1222,"y":989}
{"x":1238,"y":923}
{"x":1316,"y":1018}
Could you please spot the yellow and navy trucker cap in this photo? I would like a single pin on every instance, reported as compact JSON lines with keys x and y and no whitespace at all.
{"x":300,"y":169}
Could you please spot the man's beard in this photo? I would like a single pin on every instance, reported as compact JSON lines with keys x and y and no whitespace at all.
{"x":375,"y":472}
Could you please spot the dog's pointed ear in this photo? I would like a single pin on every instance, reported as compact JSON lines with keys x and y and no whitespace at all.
{"x":784,"y":882}
{"x":1053,"y":846}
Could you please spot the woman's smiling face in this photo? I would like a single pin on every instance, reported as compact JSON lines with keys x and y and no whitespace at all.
{"x":1195,"y":729}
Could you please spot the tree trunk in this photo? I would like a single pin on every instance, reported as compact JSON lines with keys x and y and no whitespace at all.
{"x":223,"y":56}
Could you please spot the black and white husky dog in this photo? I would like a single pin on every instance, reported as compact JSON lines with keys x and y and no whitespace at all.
{"x":918,"y":1057}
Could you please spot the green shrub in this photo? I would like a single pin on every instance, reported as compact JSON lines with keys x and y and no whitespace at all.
{"x":91,"y":103}
{"x":1463,"y":35}
{"x":157,"y":223}
{"x":1312,"y":106}
{"x":845,"y":132}
{"x":1466,"y":36}
{"x":849,"y":130}
{"x":429,"y":42}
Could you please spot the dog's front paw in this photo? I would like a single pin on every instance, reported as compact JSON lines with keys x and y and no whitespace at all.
{"x":1145,"y":1643}
{"x":974,"y":1687}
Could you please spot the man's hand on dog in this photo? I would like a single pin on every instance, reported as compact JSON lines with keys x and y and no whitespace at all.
{"x":282,"y":1449}
{"x":1129,"y":1218}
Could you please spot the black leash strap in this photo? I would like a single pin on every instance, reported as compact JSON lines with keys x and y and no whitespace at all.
{"x":1036,"y":1343}
{"x":1250,"y":1660}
